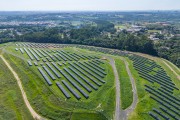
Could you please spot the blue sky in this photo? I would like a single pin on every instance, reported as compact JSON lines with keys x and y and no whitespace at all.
{"x":29,"y":5}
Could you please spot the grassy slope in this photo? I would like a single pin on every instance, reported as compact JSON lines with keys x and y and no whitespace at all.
{"x":174,"y":67}
{"x":40,"y":95}
{"x":125,"y":84}
{"x":140,"y":112}
{"x":11,"y":102}
{"x":145,"y":104}
{"x":171,"y":74}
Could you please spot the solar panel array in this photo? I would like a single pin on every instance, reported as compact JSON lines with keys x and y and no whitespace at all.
{"x":74,"y":74}
{"x":169,"y":105}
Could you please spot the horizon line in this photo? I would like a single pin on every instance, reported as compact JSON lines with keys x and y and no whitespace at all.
{"x":84,"y":10}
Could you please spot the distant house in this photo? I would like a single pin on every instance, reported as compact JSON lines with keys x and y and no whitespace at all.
{"x":130,"y":30}
{"x":177,"y":35}
{"x":135,"y":28}
{"x":155,"y":38}
{"x":152,"y":37}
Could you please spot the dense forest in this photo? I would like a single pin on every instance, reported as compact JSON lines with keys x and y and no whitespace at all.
{"x":170,"y":50}
{"x":90,"y":36}
{"x":93,"y":36}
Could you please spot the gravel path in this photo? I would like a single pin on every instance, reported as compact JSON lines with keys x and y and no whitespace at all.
{"x":118,"y":111}
{"x":135,"y":96}
{"x":33,"y":113}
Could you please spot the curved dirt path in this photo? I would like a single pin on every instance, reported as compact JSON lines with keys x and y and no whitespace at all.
{"x":135,"y":96}
{"x":118,"y":110}
{"x":178,"y":76}
{"x":119,"y":113}
{"x":33,"y":113}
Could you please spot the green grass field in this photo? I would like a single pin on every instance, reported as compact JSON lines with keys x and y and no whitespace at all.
{"x":120,"y":26}
{"x":11,"y":102}
{"x":175,"y":68}
{"x":153,"y":31}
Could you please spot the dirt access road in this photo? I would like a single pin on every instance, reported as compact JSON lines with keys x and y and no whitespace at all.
{"x":33,"y":113}
{"x":135,"y":96}
{"x":119,"y":113}
{"x":117,"y":83}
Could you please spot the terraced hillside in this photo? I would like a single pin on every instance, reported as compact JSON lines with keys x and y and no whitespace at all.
{"x":80,"y":82}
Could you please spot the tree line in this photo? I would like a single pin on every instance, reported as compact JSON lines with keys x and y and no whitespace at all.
{"x":94,"y":36}
{"x":104,"y":35}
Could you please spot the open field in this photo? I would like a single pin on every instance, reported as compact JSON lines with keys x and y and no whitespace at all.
{"x":119,"y":26}
{"x":153,"y":31}
{"x":11,"y":102}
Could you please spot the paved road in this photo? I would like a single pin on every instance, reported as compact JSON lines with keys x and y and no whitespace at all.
{"x":33,"y":113}
{"x":135,"y":96}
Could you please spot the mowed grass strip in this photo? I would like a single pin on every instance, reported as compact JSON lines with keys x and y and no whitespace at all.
{"x":12,"y":105}
{"x":125,"y":84}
